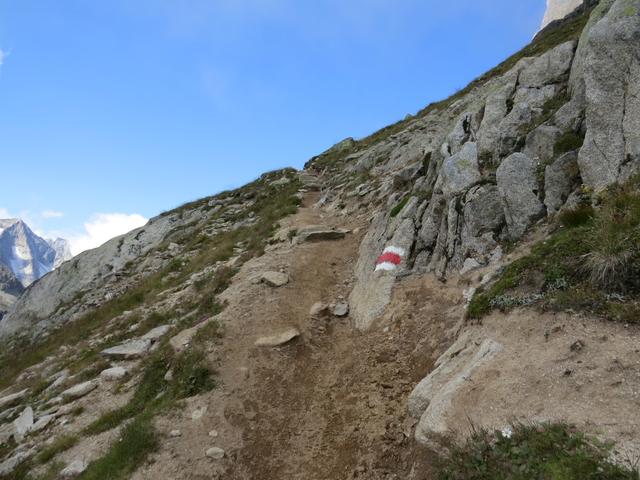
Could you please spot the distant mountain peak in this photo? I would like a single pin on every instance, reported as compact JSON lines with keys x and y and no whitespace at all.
{"x":28,"y":256}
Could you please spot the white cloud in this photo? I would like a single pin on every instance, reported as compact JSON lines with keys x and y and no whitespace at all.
{"x":102,"y":227}
{"x":3,"y":56}
{"x":4,"y":213}
{"x":51,"y":214}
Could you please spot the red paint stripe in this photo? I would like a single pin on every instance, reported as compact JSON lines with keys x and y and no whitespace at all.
{"x":389,"y":257}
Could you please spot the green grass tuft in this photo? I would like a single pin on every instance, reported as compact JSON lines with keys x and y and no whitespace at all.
{"x":544,"y":452}
{"x":138,"y":440}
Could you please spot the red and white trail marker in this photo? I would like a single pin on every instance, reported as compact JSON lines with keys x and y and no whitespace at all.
{"x":390,"y":259}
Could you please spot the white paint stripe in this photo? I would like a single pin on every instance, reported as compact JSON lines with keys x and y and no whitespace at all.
{"x":396,"y":250}
{"x":386,"y":266}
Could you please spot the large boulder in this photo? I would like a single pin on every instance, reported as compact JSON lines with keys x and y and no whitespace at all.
{"x":608,"y":76}
{"x":518,"y":186}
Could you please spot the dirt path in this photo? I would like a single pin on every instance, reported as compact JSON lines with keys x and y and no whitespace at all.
{"x":329,"y":405}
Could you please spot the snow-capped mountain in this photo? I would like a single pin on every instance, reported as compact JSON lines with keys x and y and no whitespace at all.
{"x":63,"y":251}
{"x":26,"y":254}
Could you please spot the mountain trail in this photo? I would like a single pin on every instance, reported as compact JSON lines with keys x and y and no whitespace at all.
{"x":330,"y":404}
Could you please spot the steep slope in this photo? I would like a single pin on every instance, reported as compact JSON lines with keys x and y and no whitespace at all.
{"x":354,"y":319}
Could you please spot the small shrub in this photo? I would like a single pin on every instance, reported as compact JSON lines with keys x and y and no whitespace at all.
{"x":614,"y":241}
{"x":576,"y":217}
{"x":568,"y":142}
{"x":192,"y":374}
{"x":398,"y":208}
{"x":137,"y":441}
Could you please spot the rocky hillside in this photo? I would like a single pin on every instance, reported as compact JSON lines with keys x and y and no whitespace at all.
{"x":453,"y":297}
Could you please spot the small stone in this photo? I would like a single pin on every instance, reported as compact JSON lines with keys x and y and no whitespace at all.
{"x":198,"y":413}
{"x":175,"y":433}
{"x":213,"y":433}
{"x":274,"y":279}
{"x":74,"y":469}
{"x":215,"y":453}
{"x":279,"y":339}
{"x":318,"y":309}
{"x":341,"y":309}
{"x":168,"y":376}
{"x":114,"y":373}
{"x":470,"y":264}
{"x":78,"y":391}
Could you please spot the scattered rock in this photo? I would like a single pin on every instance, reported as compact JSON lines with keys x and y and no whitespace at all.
{"x":74,"y":469}
{"x":8,"y":466}
{"x":114,"y":373}
{"x":341,"y":309}
{"x":42,"y":423}
{"x":213,"y":433}
{"x":158,"y":332}
{"x":12,"y":399}
{"x":274,"y":279}
{"x":215,"y":453}
{"x":168,"y":376}
{"x":280,"y":182}
{"x":23,"y":424}
{"x":128,"y":350}
{"x":277,"y":340}
{"x":78,"y":391}
{"x":183,"y":339}
{"x":175,"y":433}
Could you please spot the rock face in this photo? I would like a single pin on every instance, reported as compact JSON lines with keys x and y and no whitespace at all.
{"x":558,"y":9}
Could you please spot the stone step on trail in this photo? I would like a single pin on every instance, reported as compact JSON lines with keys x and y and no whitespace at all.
{"x":278,"y":339}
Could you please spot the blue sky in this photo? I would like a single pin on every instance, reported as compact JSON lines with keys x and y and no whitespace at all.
{"x":136,"y":106}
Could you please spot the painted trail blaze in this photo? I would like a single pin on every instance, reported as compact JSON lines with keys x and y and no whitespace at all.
{"x":390,"y":259}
